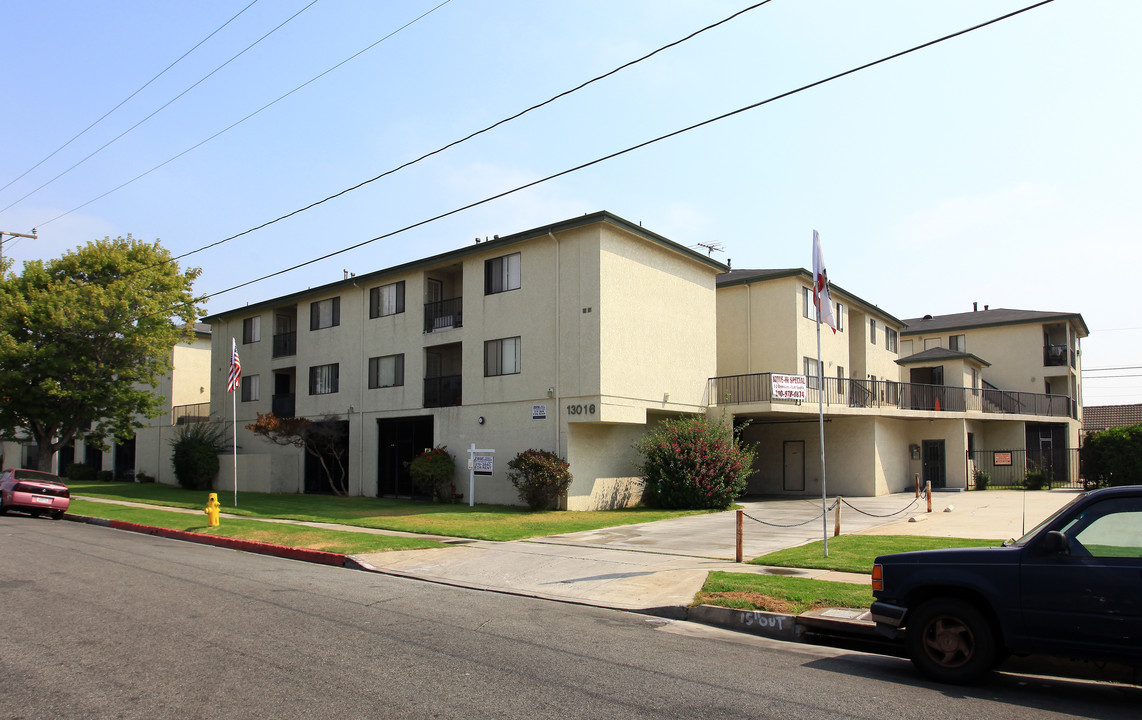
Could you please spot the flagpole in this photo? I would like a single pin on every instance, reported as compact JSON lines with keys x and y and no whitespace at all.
{"x":821,"y":424}
{"x":234,"y":403}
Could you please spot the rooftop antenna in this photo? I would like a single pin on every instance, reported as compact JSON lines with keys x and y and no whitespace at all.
{"x":712,"y":247}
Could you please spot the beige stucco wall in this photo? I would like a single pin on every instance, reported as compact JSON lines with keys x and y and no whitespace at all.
{"x":612,"y":325}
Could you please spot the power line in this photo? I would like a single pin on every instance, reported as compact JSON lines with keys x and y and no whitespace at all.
{"x":125,"y":100}
{"x":239,"y":122}
{"x":604,"y":158}
{"x":1126,"y":367}
{"x":165,"y":106}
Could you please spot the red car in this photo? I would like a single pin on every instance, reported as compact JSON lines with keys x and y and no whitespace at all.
{"x":33,"y":492}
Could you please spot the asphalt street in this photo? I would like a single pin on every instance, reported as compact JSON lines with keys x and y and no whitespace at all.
{"x":104,"y":623}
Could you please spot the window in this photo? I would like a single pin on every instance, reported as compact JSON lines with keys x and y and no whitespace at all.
{"x":808,"y":307}
{"x":839,"y":316}
{"x":810,"y":365}
{"x":386,"y":371}
{"x":906,"y":348}
{"x":974,"y":381}
{"x":872,"y":330}
{"x":956,"y":342}
{"x":502,"y":357}
{"x":386,"y":300}
{"x":323,"y":379}
{"x":501,"y":274}
{"x":251,"y":330}
{"x":930,"y":343}
{"x":250,"y":388}
{"x":840,"y":379}
{"x":890,"y":338}
{"x":325,"y":313}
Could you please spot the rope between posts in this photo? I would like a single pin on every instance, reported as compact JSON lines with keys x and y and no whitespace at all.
{"x":898,"y":512}
{"x":812,"y":519}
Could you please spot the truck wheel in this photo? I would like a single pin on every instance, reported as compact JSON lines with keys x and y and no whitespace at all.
{"x":950,"y":641}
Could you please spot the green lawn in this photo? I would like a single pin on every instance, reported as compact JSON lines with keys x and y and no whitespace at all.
{"x":748,"y":591}
{"x":484,"y":522}
{"x":856,"y":553}
{"x":290,"y":535}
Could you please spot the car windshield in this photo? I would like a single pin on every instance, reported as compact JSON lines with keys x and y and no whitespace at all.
{"x":1036,"y":530}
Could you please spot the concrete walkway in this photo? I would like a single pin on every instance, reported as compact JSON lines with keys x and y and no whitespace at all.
{"x":655,"y":567}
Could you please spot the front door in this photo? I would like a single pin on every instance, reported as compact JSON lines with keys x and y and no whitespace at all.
{"x":932,"y":452}
{"x":794,"y":466}
{"x":399,"y":440}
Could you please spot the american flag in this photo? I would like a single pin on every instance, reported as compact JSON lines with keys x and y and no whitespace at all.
{"x":235,"y":368}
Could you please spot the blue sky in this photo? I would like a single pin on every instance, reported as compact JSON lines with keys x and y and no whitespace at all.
{"x":1001,"y":167}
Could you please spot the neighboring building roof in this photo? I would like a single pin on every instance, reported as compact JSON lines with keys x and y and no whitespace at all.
{"x":939,"y":355}
{"x":1101,"y":417}
{"x":745,"y":277}
{"x":988,"y":318}
{"x":582,"y":221}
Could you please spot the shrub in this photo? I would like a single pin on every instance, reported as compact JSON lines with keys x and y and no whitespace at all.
{"x":196,"y":449}
{"x":693,"y":462}
{"x":541,"y":477}
{"x":1112,"y":457}
{"x":105,"y":476}
{"x":982,"y":479}
{"x":142,"y":477}
{"x":78,"y":472}
{"x":432,"y":473}
{"x":1036,"y":479}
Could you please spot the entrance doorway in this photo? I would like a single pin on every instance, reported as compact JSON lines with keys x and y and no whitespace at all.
{"x":932,"y":452}
{"x":399,"y":440}
{"x":794,"y":473}
{"x":125,"y":460}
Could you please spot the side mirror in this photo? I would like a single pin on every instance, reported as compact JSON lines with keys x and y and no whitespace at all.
{"x":1054,"y":543}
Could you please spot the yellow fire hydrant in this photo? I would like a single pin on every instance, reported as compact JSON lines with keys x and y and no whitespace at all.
{"x":212,"y":509}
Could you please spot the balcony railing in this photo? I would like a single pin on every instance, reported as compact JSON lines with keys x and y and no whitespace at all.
{"x":443,"y":314}
{"x":442,"y":391}
{"x":187,"y":414}
{"x":758,"y":388}
{"x":282,"y":405}
{"x":285,"y":344}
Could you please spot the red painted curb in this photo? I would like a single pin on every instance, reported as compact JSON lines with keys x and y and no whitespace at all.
{"x":292,"y":553}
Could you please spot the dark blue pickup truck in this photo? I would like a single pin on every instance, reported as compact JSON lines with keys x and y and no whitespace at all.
{"x":1071,"y":587}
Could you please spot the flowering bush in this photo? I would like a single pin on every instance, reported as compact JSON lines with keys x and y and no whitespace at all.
{"x":432,"y":472}
{"x":541,"y":477}
{"x":693,"y":462}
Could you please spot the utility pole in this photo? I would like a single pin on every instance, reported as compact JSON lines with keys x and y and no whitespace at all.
{"x":12,"y":234}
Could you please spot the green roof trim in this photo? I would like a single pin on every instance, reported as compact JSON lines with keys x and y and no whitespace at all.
{"x":748,"y":277}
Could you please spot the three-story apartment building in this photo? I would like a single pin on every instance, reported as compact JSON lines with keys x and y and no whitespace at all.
{"x":571,"y":337}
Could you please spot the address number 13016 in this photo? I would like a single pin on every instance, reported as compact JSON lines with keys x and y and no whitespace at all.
{"x":581,"y":409}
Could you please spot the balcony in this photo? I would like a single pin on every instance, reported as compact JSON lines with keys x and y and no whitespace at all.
{"x":886,"y":394}
{"x":285,"y":344}
{"x":442,"y":391}
{"x":1058,"y":356}
{"x":187,"y":414}
{"x":444,"y":315}
{"x":282,"y":405}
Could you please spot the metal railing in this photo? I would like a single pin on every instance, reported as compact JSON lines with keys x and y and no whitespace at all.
{"x":285,"y":344}
{"x":846,"y":392}
{"x":1019,"y":469}
{"x":186,"y":414}
{"x":283,"y":405}
{"x":444,"y":314}
{"x":444,"y":391}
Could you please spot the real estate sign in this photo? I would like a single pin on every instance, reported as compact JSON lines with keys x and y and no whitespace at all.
{"x":789,"y":387}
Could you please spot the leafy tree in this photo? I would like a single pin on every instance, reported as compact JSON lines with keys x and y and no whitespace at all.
{"x":325,"y":440}
{"x":85,"y":338}
{"x":432,"y":472}
{"x":693,"y":462}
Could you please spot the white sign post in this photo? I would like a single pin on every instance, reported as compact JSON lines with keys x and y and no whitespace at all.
{"x":477,"y":465}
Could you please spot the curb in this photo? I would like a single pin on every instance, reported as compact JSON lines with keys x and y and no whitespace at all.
{"x":261,"y":548}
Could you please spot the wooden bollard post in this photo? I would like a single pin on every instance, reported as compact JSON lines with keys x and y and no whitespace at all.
{"x":928,"y":492}
{"x":837,"y":518}
{"x":917,"y":478}
{"x":738,"y":554}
